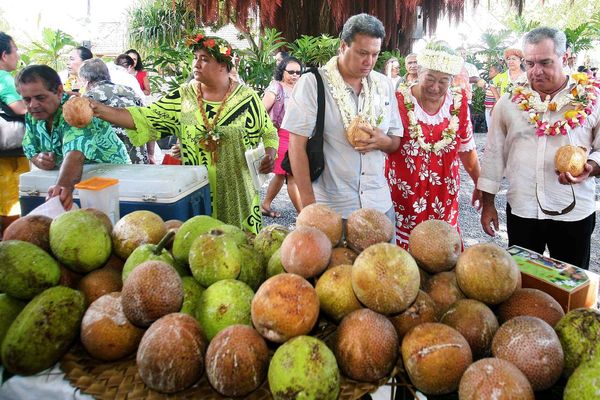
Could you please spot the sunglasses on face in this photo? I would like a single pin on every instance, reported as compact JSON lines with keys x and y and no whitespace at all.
{"x":298,"y":72}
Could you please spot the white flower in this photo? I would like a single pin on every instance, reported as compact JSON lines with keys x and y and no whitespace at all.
{"x":405,"y":188}
{"x":420,"y":205}
{"x":438,"y":208}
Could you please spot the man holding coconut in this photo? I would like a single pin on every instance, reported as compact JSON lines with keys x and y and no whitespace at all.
{"x":353,"y":175}
{"x":544,"y":207}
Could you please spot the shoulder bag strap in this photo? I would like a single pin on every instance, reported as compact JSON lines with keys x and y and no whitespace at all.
{"x":320,"y":104}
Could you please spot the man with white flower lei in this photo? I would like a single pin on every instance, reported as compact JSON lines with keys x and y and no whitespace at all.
{"x":544,"y":208}
{"x":423,"y":173}
{"x":353,"y":174}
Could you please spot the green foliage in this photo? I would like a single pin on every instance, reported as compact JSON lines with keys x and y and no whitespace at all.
{"x":50,"y":50}
{"x":170,"y":66}
{"x":492,"y":45}
{"x":520,"y":25}
{"x":256,"y":62}
{"x":580,"y":37}
{"x":315,"y":50}
{"x":384,"y":56}
{"x":155,"y":23}
{"x":477,"y":100}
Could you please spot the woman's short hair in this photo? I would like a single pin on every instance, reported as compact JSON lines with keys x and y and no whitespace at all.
{"x":280,"y":69}
{"x":84,"y":53}
{"x":511,"y":51}
{"x":124,"y":61}
{"x":94,"y":70}
{"x":5,"y":41}
{"x":39,"y":73}
{"x":139,"y":65}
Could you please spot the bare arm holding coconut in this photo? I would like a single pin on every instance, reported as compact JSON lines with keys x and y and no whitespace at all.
{"x":299,"y":164}
{"x":116,"y":116}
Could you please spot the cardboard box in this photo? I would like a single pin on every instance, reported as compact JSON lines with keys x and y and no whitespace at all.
{"x":571,"y":286}
{"x":171,"y":191}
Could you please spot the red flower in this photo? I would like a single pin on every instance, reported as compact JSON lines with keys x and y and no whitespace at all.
{"x":228,"y":52}
{"x":198,"y":37}
{"x":210,"y":43}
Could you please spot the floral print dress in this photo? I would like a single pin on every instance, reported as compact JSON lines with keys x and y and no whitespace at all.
{"x":425,"y":185}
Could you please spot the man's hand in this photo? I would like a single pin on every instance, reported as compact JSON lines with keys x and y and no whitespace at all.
{"x":377,"y":141}
{"x":65,"y":195}
{"x":268,"y":161}
{"x":476,"y":199}
{"x":566,"y":178}
{"x":44,"y":160}
{"x":489,"y":215}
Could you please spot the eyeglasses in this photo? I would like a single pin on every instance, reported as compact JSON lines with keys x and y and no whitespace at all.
{"x":294,"y":72}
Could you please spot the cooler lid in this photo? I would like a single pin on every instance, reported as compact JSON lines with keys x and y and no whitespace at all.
{"x":136,"y":181}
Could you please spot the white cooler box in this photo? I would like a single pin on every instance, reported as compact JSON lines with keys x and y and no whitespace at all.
{"x":171,"y":191}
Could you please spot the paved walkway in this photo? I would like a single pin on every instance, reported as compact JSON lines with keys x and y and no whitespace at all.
{"x":468,"y":216}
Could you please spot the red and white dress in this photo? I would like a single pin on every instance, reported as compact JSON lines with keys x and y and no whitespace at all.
{"x":424,"y":184}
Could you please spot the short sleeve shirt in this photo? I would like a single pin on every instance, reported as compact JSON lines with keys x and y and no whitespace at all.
{"x":98,"y":141}
{"x":350,"y":180}
{"x":8,"y":91}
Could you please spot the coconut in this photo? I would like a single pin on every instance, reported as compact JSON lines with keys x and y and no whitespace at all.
{"x":435,"y":357}
{"x":385,"y":278}
{"x":105,"y":331}
{"x":269,"y":239}
{"x":532,"y":302}
{"x":366,"y":346}
{"x":494,"y":378}
{"x":420,"y":311}
{"x":284,"y":306}
{"x":579,"y":334}
{"x":533,"y":346}
{"x":324,"y":219}
{"x":435,"y":245}
{"x":306,"y":252}
{"x":584,"y":382}
{"x":366,"y":227}
{"x":475,"y":321}
{"x":336,"y":296}
{"x":34,"y":229}
{"x":237,"y":360}
{"x":443,"y":290}
{"x":135,"y":229}
{"x":78,"y":112}
{"x":100,"y":282}
{"x":572,"y":159}
{"x":354,"y":133}
{"x":342,"y":256}
{"x":487,"y":272}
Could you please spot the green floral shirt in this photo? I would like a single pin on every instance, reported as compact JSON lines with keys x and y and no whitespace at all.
{"x":98,"y":141}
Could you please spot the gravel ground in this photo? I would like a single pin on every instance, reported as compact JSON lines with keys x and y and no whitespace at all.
{"x":468,"y":216}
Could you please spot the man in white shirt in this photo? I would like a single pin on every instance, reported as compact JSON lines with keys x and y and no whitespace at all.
{"x":544,"y":208}
{"x":353,"y":177}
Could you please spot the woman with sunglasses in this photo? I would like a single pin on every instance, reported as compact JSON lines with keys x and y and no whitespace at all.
{"x":286,"y":75}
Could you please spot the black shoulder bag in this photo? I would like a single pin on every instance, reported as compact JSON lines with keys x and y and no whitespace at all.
{"x":314,"y":146}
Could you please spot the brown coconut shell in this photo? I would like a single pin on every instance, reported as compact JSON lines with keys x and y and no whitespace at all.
{"x":532,"y":302}
{"x":342,"y":256}
{"x":435,"y":245}
{"x":443,"y":290}
{"x":572,"y":159}
{"x":435,"y":357}
{"x":170,"y":357}
{"x":105,"y":331}
{"x":284,"y":306}
{"x":237,"y":360}
{"x":78,"y":112}
{"x":34,"y":229}
{"x":366,"y":346}
{"x":305,"y":251}
{"x":355,"y":133}
{"x":422,"y":310}
{"x":475,"y":321}
{"x":336,"y":296}
{"x":533,"y":346}
{"x":324,"y":219}
{"x":366,"y":227}
{"x":135,"y":229}
{"x":100,"y":282}
{"x":494,"y":378}
{"x":152,"y":290}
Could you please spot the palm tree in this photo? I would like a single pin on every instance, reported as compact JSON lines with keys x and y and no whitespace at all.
{"x":493,"y":45}
{"x":520,"y":25}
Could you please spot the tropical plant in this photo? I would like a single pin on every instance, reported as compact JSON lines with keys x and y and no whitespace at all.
{"x":256,"y":62}
{"x":156,"y":23}
{"x":315,"y":50}
{"x":384,"y":56}
{"x":579,"y":38}
{"x":170,"y":66}
{"x":521,"y":25}
{"x":493,"y":44}
{"x":50,"y":50}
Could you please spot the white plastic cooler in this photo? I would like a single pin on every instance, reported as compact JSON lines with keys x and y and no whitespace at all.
{"x":171,"y":191}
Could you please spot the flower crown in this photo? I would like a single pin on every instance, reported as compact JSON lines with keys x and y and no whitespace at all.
{"x":439,"y":60}
{"x":216,"y":47}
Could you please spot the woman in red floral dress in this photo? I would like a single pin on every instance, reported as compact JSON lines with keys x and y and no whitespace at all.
{"x":423,"y":173}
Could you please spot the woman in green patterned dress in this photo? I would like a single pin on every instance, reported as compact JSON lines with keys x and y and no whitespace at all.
{"x":216,"y":120}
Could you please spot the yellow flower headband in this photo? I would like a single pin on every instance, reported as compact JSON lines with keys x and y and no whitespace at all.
{"x":442,"y":61}
{"x":216,"y":47}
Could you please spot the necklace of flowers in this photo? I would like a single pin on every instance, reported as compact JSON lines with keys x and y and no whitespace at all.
{"x":341,"y":94}
{"x":209,"y":138}
{"x":416,"y":131}
{"x":582,"y":97}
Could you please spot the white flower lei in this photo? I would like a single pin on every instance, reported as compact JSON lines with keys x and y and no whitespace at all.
{"x":416,"y":132}
{"x":341,"y":94}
